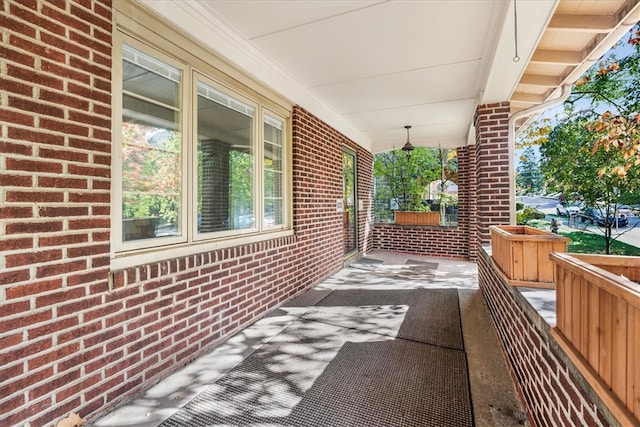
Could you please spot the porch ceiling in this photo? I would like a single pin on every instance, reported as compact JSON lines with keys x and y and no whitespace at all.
{"x":370,"y":67}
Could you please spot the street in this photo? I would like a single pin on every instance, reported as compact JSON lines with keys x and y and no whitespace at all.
{"x":629,"y":235}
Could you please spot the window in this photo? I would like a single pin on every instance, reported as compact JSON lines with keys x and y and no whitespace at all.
{"x":226,"y":195}
{"x":151,"y":147}
{"x":273,"y":171}
{"x":199,"y":161}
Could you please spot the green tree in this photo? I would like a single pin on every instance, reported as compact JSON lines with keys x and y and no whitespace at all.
{"x":594,"y":151}
{"x":613,"y":86}
{"x":151,"y":172}
{"x":571,"y":165}
{"x":241,"y":185}
{"x":529,"y":179}
{"x":448,"y":174}
{"x":404,"y":179}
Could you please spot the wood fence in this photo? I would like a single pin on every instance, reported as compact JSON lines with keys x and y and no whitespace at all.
{"x":598,"y":325}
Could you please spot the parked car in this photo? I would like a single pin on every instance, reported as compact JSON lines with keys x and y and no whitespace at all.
{"x":594,"y":216}
{"x":566,"y":209}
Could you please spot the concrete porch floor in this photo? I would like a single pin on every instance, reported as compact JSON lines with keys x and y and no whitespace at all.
{"x":391,"y":339}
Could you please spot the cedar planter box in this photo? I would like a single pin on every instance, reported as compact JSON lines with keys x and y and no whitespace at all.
{"x":598,"y":326}
{"x":522,"y":254}
{"x":417,"y":218}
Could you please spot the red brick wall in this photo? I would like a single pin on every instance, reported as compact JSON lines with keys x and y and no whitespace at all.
{"x":493,"y":191}
{"x":365,"y":193}
{"x":71,"y":339}
{"x":449,"y":242}
{"x":55,"y":174}
{"x":551,"y":392}
{"x":317,"y":157}
{"x":467,"y":179}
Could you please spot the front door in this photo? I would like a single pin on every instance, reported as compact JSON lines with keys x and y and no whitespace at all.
{"x":350,"y":202}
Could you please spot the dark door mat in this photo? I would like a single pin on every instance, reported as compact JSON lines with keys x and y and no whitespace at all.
{"x":264,"y":388}
{"x":366,"y":263}
{"x":424,"y":264}
{"x":366,"y":384}
{"x":432,"y":315}
{"x":389,"y":383}
{"x":365,"y":260}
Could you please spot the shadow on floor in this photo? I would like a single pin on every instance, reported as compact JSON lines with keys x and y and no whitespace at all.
{"x":378,"y":344}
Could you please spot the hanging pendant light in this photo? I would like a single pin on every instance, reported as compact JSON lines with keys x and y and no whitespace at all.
{"x":407,"y":148}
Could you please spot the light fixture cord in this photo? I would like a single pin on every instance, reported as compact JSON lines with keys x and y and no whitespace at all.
{"x":516,"y":58}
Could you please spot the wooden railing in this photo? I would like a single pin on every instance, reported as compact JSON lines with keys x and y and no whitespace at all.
{"x":522,"y":253}
{"x":598,"y":326}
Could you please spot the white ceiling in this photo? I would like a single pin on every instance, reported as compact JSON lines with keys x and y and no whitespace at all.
{"x":368,"y":68}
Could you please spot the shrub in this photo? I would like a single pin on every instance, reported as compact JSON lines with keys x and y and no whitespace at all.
{"x":528,"y":214}
{"x":519,"y":206}
{"x":421,"y":207}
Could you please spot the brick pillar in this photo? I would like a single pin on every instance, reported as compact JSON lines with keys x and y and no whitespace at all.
{"x":467,"y":203}
{"x":493,"y":163}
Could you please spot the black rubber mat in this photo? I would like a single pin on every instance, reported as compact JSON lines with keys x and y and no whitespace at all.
{"x":322,"y":374}
{"x":366,"y":384}
{"x":364,"y":260}
{"x":433,"y":315}
{"x":390,"y":383}
{"x":424,"y":264}
{"x":366,"y":264}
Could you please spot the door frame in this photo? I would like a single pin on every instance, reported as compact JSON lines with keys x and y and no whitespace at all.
{"x":354,"y":154}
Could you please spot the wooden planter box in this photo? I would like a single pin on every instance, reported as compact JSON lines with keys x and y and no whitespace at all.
{"x":417,"y":218}
{"x":598,"y":326}
{"x":522,"y":254}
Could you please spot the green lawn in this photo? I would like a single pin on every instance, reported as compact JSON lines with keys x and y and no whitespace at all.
{"x":589,"y":243}
{"x":586,"y":242}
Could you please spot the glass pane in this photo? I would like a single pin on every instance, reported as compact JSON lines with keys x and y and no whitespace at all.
{"x":273,"y":130}
{"x":273,"y":171}
{"x":350,"y":212}
{"x":274,"y":212}
{"x":225,"y":162}
{"x":149,"y":77}
{"x":151,"y":160}
{"x":272,"y":184}
{"x":272,"y":157}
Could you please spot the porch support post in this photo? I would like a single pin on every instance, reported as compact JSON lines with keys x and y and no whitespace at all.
{"x":494,"y":164}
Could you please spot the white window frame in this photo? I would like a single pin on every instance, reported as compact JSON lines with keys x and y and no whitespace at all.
{"x":285,"y":167}
{"x":117,"y":226}
{"x":138,"y":252}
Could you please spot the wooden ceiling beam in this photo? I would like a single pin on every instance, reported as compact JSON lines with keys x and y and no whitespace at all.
{"x":541,"y":80}
{"x":527,"y":98}
{"x":566,"y":57}
{"x":583,"y":23}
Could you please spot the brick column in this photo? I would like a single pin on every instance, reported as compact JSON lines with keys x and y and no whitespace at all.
{"x":493,"y":164}
{"x":467,"y":203}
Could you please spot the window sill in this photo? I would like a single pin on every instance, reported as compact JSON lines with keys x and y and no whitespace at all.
{"x":147,"y":256}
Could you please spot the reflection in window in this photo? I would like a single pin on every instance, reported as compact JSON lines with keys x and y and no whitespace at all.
{"x":225,"y":162}
{"x":151,"y":147}
{"x":273,"y":171}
